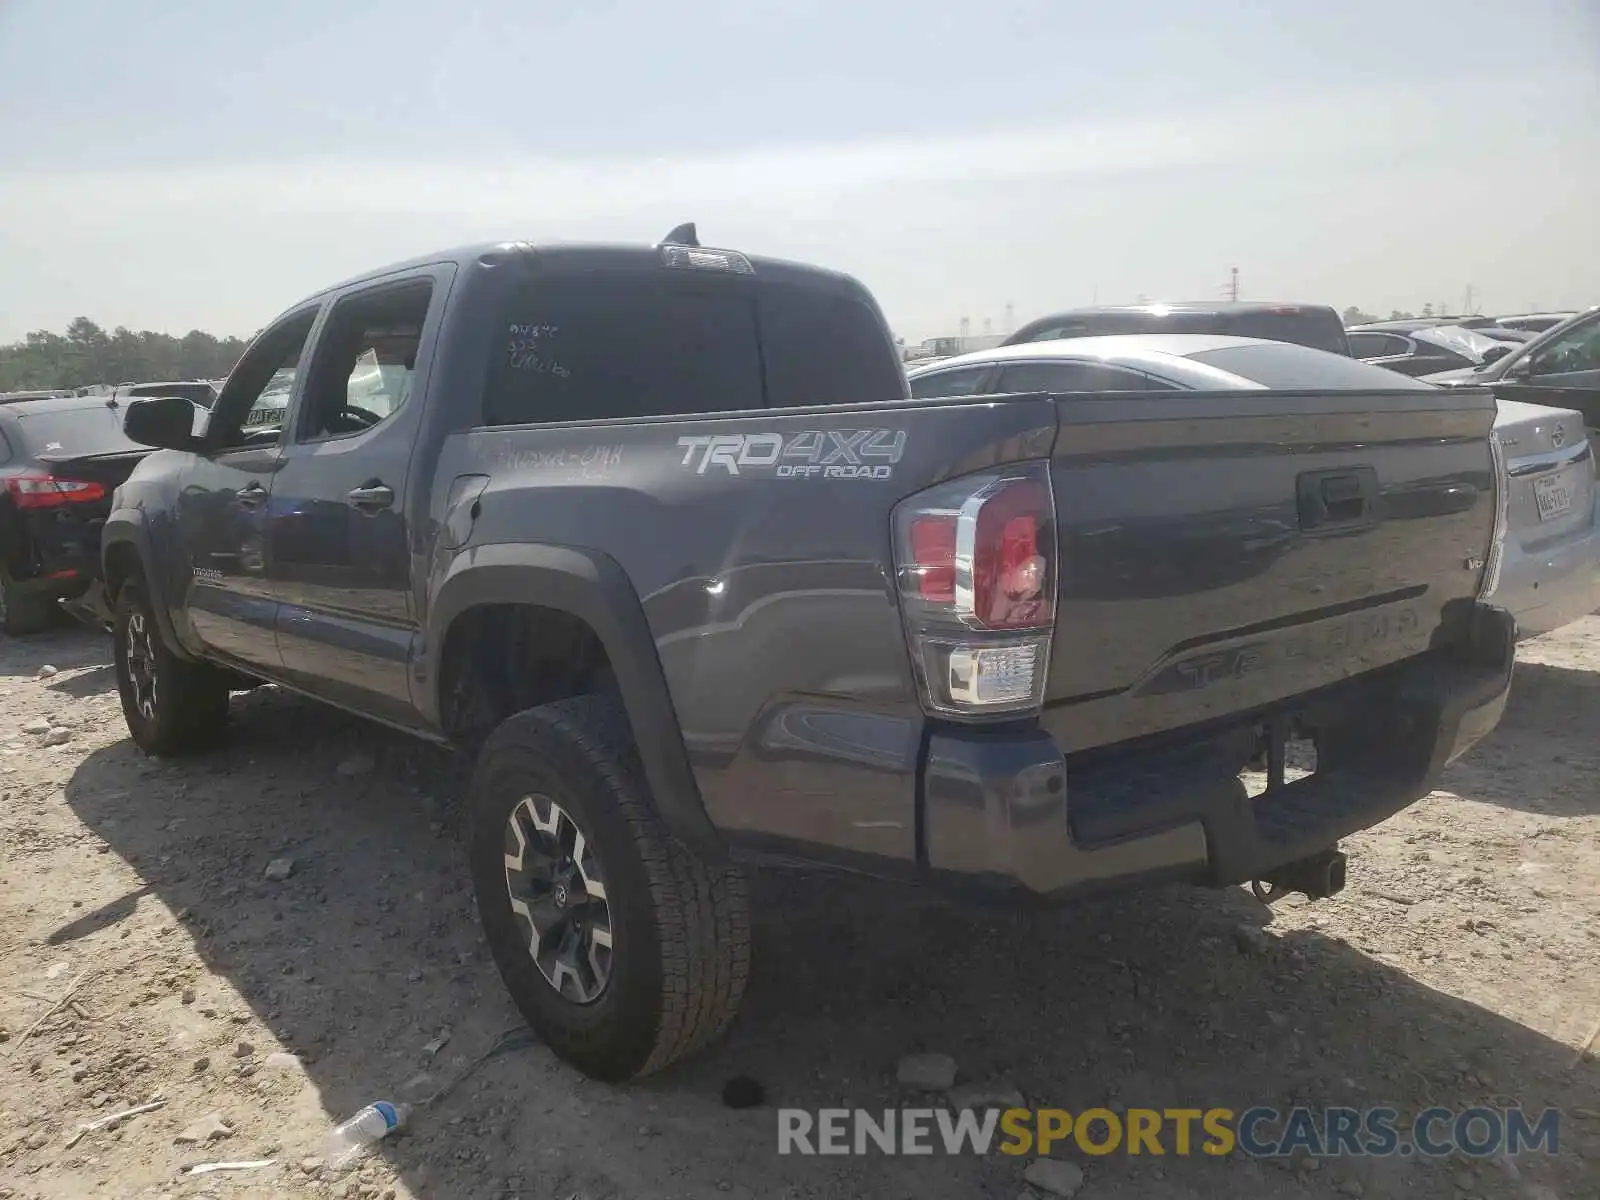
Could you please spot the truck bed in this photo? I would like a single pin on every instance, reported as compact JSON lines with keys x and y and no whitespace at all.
{"x":1190,"y":588}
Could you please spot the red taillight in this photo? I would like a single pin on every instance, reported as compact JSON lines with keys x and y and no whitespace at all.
{"x":975,"y":560}
{"x":48,"y":491}
{"x":1008,"y":566}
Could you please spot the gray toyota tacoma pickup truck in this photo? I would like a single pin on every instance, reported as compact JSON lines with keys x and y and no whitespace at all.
{"x":658,"y":535}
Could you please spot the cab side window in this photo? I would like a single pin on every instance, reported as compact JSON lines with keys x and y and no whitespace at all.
{"x":365,"y":361}
{"x":251,"y":408}
{"x":1576,"y":350}
{"x":961,"y":381}
{"x":1376,"y":345}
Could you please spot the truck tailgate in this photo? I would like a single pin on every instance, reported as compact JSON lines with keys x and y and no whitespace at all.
{"x":1223,"y":551}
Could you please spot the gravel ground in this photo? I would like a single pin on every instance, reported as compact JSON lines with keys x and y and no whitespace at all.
{"x":1460,"y":965}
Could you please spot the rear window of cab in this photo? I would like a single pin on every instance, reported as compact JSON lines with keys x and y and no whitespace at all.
{"x":599,"y":347}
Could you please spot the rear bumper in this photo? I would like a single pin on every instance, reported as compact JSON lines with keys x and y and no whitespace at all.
{"x":1006,"y":809}
{"x":54,"y":554}
{"x":1553,"y":586}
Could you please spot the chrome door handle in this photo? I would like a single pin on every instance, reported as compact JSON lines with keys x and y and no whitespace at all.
{"x":371,"y":497}
{"x":251,"y":494}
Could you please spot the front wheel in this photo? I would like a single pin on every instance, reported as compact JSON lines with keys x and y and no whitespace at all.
{"x":172,"y":706}
{"x":623,"y":950}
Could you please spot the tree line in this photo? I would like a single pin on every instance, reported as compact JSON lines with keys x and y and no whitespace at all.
{"x":86,"y":354}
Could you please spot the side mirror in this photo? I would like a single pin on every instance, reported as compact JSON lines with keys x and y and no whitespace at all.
{"x":166,"y":422}
{"x":1521,"y":369}
{"x":1495,"y":354}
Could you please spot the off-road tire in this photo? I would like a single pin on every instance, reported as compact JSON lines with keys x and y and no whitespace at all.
{"x":680,"y":926}
{"x":190,"y":709}
{"x":23,"y":613}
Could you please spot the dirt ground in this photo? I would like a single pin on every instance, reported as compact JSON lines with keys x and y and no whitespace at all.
{"x":1461,"y":965}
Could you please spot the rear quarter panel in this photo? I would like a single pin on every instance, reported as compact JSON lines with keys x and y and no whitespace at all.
{"x":759,"y":547}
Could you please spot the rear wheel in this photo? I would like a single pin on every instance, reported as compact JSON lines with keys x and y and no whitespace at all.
{"x":623,"y":950}
{"x":23,"y":612}
{"x":171,"y":706}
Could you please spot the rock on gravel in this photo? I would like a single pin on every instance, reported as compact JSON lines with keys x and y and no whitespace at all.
{"x":56,"y":737}
{"x":205,"y":1131}
{"x":35,"y":728}
{"x":46,"y":672}
{"x":356,"y":764}
{"x":278,"y":870}
{"x":1055,"y":1176}
{"x":935,"y":1072}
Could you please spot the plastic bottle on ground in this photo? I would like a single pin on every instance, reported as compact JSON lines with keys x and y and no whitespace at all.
{"x":350,"y":1138}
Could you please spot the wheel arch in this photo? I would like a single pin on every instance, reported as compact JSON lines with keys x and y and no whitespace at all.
{"x":593,"y":589}
{"x":126,"y":553}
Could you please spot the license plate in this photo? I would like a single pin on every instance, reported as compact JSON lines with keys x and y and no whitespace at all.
{"x":1554,"y":494}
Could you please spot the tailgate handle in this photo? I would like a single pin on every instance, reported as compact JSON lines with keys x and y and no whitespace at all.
{"x":1344,"y":498}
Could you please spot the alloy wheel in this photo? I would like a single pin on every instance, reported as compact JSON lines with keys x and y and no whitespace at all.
{"x":557,"y":891}
{"x":139,"y":655}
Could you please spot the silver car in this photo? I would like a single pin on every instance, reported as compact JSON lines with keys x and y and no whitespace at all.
{"x":1550,"y":572}
{"x":1550,"y":575}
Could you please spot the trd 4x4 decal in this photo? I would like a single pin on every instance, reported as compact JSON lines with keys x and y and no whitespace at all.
{"x":824,"y":454}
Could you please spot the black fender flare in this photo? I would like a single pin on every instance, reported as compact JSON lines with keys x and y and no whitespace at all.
{"x":126,"y":527}
{"x":594,"y":588}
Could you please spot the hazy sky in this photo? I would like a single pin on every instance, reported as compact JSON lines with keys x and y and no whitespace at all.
{"x":174,"y":164}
